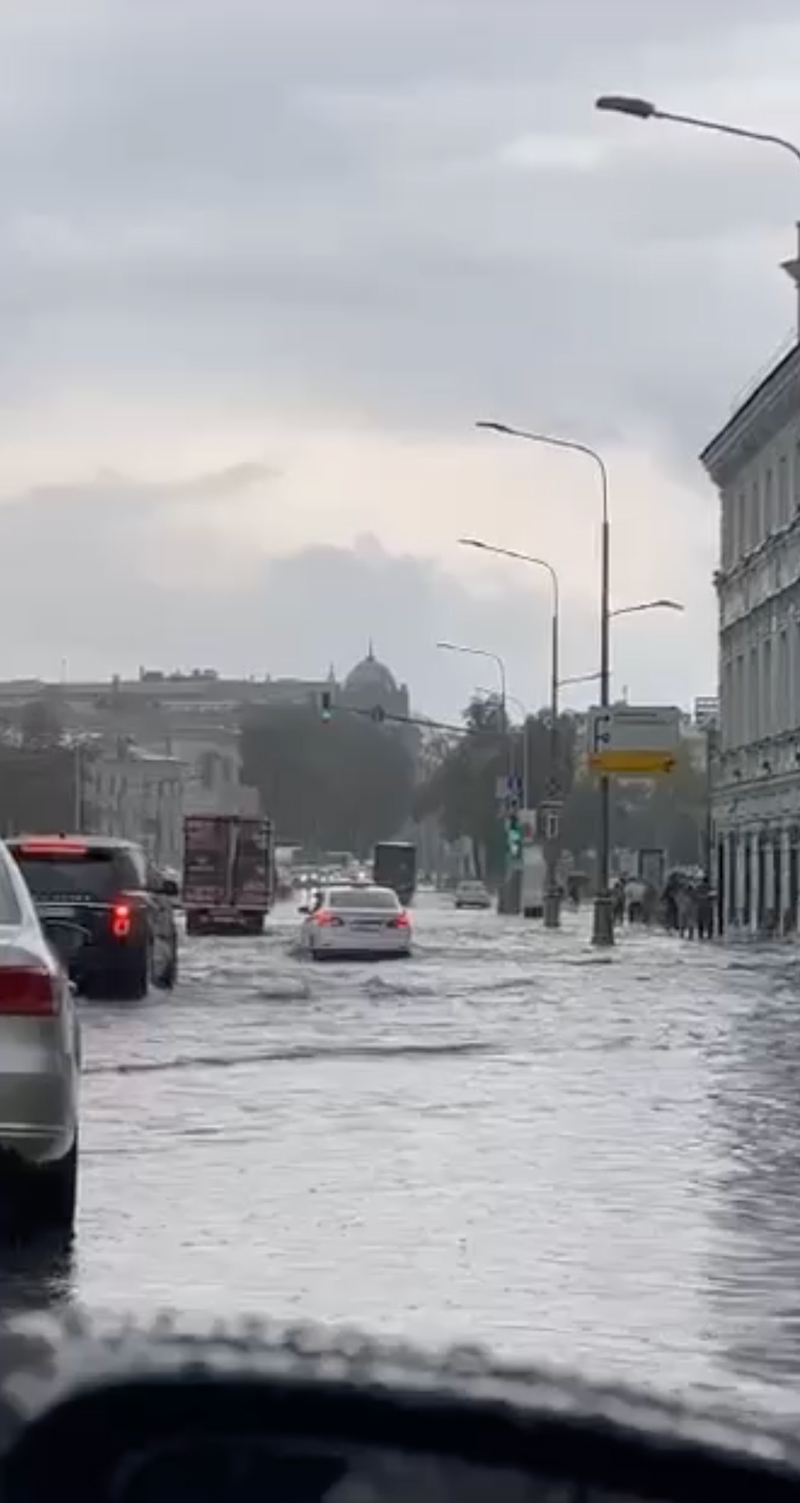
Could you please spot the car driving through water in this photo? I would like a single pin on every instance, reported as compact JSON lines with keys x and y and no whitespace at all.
{"x":357,"y":921}
{"x":122,"y":904}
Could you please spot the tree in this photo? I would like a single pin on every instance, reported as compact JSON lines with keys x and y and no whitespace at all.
{"x":341,"y":785}
{"x":462,"y":789}
{"x":41,"y":726}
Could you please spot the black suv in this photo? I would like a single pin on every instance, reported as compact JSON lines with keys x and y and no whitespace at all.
{"x":120,"y":901}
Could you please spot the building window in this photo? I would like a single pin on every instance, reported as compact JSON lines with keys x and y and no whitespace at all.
{"x":740,"y":543}
{"x":766,"y":689}
{"x":795,"y":722}
{"x":783,"y":491}
{"x":754,"y":531}
{"x":782,"y":719}
{"x":726,"y":520}
{"x":727,"y":705}
{"x":752,"y":696}
{"x":740,"y":712}
{"x":768,"y":526}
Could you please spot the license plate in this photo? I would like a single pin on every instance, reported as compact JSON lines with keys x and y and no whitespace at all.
{"x":57,"y":913}
{"x":368,"y":924}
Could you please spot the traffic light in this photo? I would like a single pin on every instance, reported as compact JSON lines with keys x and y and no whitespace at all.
{"x":513,"y":836}
{"x":326,"y":705}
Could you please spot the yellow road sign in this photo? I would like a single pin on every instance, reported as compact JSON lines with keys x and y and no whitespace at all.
{"x":633,"y":763}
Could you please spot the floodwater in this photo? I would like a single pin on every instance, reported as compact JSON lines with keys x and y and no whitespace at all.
{"x":587,"y":1159}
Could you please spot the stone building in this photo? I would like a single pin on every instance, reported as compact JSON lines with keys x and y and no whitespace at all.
{"x":135,"y":794}
{"x":755,"y":463}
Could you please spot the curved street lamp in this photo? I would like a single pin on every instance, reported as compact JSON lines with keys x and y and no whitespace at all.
{"x":493,"y":657}
{"x":603,"y":925}
{"x":644,"y":109}
{"x":551,"y":909}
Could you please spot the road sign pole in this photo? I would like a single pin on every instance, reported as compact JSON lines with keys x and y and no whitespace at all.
{"x":552,"y":895}
{"x":603,"y":918}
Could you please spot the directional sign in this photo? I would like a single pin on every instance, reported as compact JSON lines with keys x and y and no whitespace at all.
{"x":633,"y":740}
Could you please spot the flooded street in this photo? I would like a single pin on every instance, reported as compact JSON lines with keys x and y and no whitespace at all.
{"x":588,"y":1159}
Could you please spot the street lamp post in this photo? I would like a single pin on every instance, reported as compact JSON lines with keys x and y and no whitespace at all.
{"x":493,"y":657}
{"x":623,"y":610}
{"x":644,"y":109}
{"x":507,"y":898}
{"x":552,"y":898}
{"x":603,"y":924}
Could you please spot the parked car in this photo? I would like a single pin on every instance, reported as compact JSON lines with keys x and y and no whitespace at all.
{"x":472,"y":895}
{"x":122,"y":904}
{"x":355,"y":922}
{"x":39,"y":1064}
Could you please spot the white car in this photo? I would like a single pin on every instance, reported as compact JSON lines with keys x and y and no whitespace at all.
{"x":39,"y":1062}
{"x":356,"y":921}
{"x":472,"y":895}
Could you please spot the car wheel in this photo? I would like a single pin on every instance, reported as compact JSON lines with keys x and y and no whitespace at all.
{"x":132,"y":984}
{"x":170,"y":978}
{"x":49,"y":1194}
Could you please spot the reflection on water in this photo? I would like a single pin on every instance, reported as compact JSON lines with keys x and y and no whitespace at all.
{"x":756,"y":1272}
{"x":36,"y":1274}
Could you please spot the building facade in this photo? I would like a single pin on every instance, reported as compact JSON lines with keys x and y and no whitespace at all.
{"x":754,"y":461}
{"x":136,"y":795}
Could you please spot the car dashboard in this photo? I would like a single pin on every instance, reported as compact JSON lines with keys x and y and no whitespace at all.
{"x":160,"y":1414}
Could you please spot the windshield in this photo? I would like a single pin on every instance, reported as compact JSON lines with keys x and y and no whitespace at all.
{"x":354,"y":376}
{"x":363,"y":897}
{"x":99,"y":875}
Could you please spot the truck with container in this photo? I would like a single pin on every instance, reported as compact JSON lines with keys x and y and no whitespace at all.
{"x":394,"y":865}
{"x":228,"y":873}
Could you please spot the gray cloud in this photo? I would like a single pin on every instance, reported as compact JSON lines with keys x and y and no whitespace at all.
{"x":104,"y":611}
{"x":411,"y":210}
{"x":312,"y":196}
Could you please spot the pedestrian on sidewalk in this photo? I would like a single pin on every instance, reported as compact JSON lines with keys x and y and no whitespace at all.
{"x":705,"y":909}
{"x":634,"y":900}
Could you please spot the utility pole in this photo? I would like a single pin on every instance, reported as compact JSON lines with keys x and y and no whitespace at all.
{"x":78,"y":787}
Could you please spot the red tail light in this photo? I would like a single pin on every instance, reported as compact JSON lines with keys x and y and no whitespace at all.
{"x":27,"y":992}
{"x":121,"y":920}
{"x":51,"y":846}
{"x":401,"y":922}
{"x":326,"y":920}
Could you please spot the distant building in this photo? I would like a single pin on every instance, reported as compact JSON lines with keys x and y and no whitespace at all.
{"x":371,"y":685}
{"x":191,"y":720}
{"x":706,"y":712}
{"x":136,"y":795}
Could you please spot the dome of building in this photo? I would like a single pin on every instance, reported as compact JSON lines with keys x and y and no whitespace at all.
{"x":371,"y":677}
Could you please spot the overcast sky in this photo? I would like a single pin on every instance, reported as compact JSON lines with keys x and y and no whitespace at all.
{"x":263,"y":263}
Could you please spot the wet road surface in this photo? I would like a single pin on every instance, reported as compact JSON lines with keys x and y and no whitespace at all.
{"x":584,"y":1158}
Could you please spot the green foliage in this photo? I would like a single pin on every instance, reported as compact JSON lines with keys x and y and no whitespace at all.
{"x":461,"y":789}
{"x":40,"y":724}
{"x":337,"y":785}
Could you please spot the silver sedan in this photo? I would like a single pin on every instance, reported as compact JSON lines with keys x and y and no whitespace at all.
{"x":39,"y":1064}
